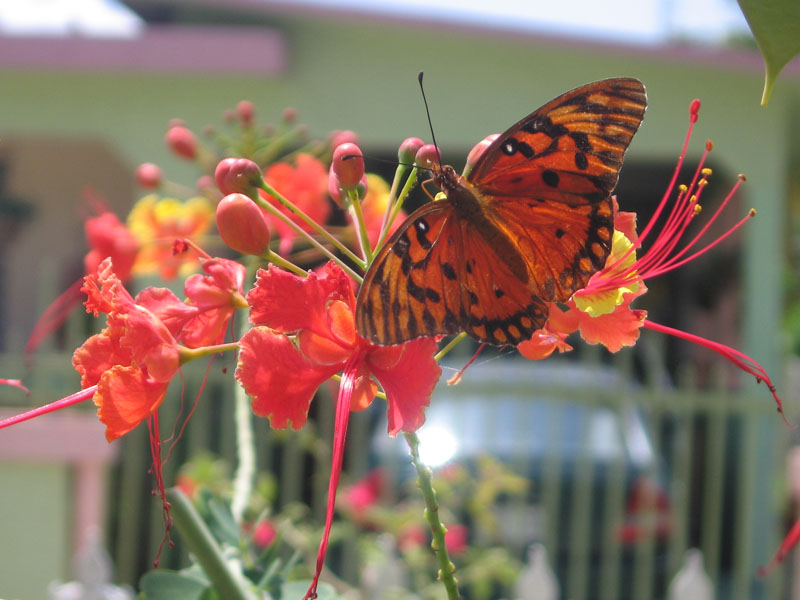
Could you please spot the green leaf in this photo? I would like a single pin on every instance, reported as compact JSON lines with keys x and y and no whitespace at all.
{"x":221,"y":523}
{"x":171,"y":585}
{"x":297,"y":589}
{"x":776,"y":27}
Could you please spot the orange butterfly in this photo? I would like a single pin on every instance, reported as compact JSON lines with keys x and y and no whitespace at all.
{"x":529,"y":224}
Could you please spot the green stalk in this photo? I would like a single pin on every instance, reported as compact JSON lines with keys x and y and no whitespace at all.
{"x":228,"y":583}
{"x":355,"y":205}
{"x":447,"y":569}
{"x":245,"y":440}
{"x":324,"y":233}
{"x":397,"y":206}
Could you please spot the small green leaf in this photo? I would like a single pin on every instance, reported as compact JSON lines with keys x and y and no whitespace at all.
{"x":171,"y":585}
{"x":297,"y":589}
{"x":776,"y":27}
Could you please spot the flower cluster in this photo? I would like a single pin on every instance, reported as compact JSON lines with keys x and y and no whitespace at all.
{"x":271,"y":200}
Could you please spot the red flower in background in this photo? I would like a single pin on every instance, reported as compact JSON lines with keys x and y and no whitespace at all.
{"x":107,"y":237}
{"x":306,"y":186}
{"x":282,"y":373}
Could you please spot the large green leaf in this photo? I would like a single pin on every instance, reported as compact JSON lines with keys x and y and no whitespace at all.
{"x":776,"y":26}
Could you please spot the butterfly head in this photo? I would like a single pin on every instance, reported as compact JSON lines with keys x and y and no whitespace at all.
{"x":446,"y":178}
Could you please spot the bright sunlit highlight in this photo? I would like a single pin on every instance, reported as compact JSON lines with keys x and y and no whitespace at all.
{"x":437,"y":445}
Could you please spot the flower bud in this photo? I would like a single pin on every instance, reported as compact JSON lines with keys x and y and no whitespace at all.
{"x":289,"y":115}
{"x":428,"y":157}
{"x":342,"y":137}
{"x":408,"y":149}
{"x":237,"y":175}
{"x":241,"y":225}
{"x":246,"y":111}
{"x":182,"y":142}
{"x":477,"y":150}
{"x":148,"y":176}
{"x":348,"y":164}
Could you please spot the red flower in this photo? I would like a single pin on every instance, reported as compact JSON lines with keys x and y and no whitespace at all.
{"x":211,"y":300}
{"x":602,"y":311}
{"x":131,"y":361}
{"x":456,"y":539}
{"x":306,"y":186}
{"x":282,"y":373}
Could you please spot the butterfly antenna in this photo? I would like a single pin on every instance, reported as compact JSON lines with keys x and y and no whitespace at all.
{"x":428,"y":113}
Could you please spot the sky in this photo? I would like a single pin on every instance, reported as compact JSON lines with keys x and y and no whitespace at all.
{"x":630,"y":21}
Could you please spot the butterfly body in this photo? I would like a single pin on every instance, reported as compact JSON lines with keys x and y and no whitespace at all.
{"x":527,"y":225}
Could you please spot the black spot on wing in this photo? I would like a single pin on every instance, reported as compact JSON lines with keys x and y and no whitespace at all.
{"x":449,"y":271}
{"x":550,"y":178}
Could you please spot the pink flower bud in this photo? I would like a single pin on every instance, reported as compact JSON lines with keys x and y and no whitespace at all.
{"x":182,"y":142}
{"x":205,"y":185}
{"x":237,"y":175}
{"x":408,"y":149}
{"x":148,"y":175}
{"x":343,"y":137}
{"x":336,"y":189}
{"x":348,"y":165}
{"x":428,"y":157}
{"x":478,"y":149}
{"x":289,"y":115}
{"x":241,"y":225}
{"x":246,"y":111}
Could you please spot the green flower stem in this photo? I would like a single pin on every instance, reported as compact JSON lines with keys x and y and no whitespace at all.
{"x":397,"y":206}
{"x":246,"y":454}
{"x":227,"y":582}
{"x":245,"y":439}
{"x":447,"y":569}
{"x":355,"y":205}
{"x":450,"y":345}
{"x":276,"y":258}
{"x":187,"y":354}
{"x":324,"y":233}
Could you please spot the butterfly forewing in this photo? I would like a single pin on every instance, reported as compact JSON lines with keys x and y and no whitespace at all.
{"x":529,"y":224}
{"x":584,"y":132}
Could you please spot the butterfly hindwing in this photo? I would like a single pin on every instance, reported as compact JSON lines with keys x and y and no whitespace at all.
{"x":411,"y":289}
{"x":430,"y":278}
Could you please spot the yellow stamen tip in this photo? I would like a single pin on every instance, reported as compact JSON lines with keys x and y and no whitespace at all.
{"x":702,"y":183}
{"x":682,"y":188}
{"x":698,"y":208}
{"x":706,"y":171}
{"x":742,"y":177}
{"x":752,"y":212}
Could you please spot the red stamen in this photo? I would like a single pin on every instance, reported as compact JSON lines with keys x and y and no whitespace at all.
{"x":52,"y":318}
{"x":741,"y":360}
{"x":48,"y":408}
{"x":789,"y":542}
{"x":155,"y":452}
{"x":455,"y":379}
{"x":17,"y":383}
{"x":191,"y":410}
{"x":343,"y":402}
{"x":181,"y":245}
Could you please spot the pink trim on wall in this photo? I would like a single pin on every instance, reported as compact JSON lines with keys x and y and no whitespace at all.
{"x":234,"y":50}
{"x":77,"y":441}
